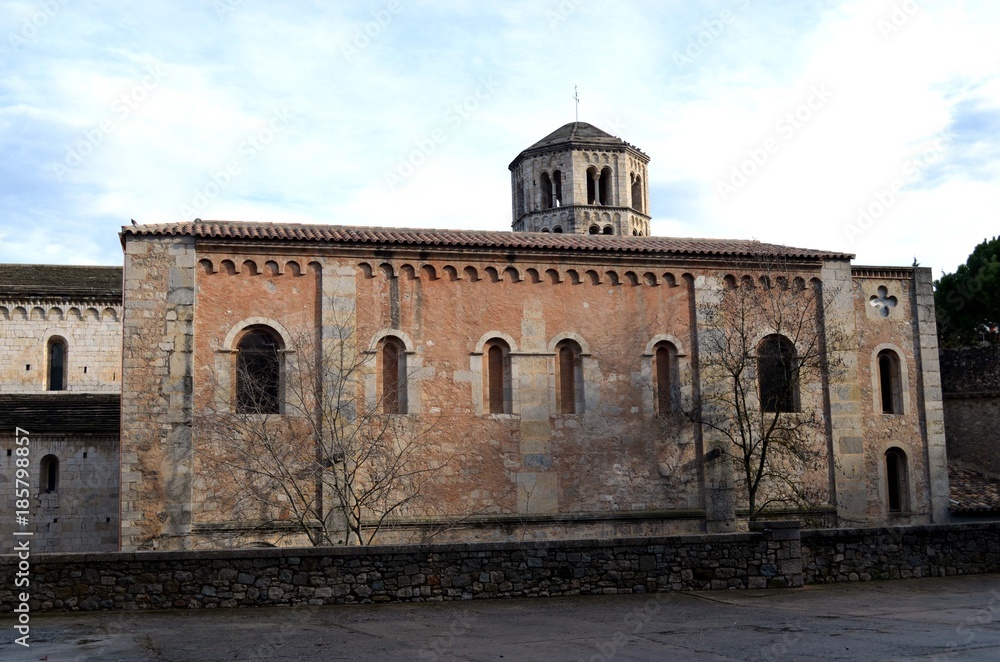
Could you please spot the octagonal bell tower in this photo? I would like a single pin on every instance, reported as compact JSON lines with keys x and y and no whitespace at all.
{"x":580,"y":180}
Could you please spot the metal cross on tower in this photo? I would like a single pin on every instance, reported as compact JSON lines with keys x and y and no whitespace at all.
{"x":576,"y":97}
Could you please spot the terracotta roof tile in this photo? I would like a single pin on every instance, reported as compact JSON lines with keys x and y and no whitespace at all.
{"x":973,"y":491}
{"x":474,"y":239}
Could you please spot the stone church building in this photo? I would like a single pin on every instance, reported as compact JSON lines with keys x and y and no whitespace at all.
{"x":564,"y":379}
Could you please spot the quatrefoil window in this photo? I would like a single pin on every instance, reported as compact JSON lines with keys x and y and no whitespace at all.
{"x":882,"y":301}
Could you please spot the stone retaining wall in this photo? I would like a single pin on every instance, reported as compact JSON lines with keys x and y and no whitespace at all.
{"x":842,"y":555}
{"x":971,"y":388}
{"x":237,"y":578}
{"x":774,"y":555}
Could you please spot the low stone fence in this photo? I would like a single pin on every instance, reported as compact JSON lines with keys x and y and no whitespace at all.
{"x":317,"y":576}
{"x":773,"y":555}
{"x":850,"y":555}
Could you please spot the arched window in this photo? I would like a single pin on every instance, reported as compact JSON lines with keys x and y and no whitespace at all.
{"x":608,"y":229}
{"x":592,"y":178}
{"x":594,"y":229}
{"x":557,"y":185}
{"x":393,"y":373}
{"x":897,"y":487}
{"x":637,"y":193}
{"x":665,"y":378}
{"x":569,"y":377}
{"x":497,"y":377}
{"x":49,"y":470}
{"x":889,"y":386}
{"x":520,"y":199}
{"x":605,"y":188}
{"x":776,"y":374}
{"x":258,"y":372}
{"x":546,"y":191}
{"x":557,"y":229}
{"x":57,"y":364}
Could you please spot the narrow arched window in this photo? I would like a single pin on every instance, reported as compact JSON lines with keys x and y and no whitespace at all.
{"x":890,"y":388}
{"x":49,"y":470}
{"x":637,"y":193}
{"x":665,"y":382}
{"x":393,"y":369}
{"x":776,"y":374}
{"x":557,"y":186}
{"x":592,"y":180}
{"x":546,"y":191}
{"x":569,"y":377}
{"x":520,"y":199}
{"x":605,"y":188}
{"x":897,"y":486}
{"x":258,"y":372}
{"x":57,"y":364}
{"x":497,"y":381}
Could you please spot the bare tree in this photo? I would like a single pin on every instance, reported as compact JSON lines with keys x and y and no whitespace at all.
{"x":764,"y":354}
{"x":316,"y":455}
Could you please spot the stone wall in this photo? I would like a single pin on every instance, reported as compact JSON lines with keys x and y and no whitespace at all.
{"x":850,"y":555}
{"x":92,"y":332}
{"x":81,"y":515}
{"x":158,"y":331}
{"x":971,"y":385}
{"x":318,"y":576}
{"x":773,"y":555}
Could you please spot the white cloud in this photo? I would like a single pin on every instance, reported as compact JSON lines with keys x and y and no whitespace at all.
{"x":368,"y":84}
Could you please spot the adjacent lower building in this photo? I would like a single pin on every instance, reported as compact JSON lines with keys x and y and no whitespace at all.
{"x":60,"y":385}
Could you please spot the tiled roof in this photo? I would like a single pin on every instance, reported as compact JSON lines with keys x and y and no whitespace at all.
{"x":62,"y":411}
{"x":47,"y":280}
{"x":576,"y":134}
{"x":579,"y":132}
{"x":973,"y":491}
{"x":475,"y":239}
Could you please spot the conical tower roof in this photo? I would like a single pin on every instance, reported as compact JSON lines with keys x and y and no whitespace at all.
{"x":575,"y":135}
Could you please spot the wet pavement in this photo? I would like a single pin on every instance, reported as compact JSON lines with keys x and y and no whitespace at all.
{"x":955,"y":618}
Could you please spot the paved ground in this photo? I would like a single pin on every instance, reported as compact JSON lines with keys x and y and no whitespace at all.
{"x":923,"y":619}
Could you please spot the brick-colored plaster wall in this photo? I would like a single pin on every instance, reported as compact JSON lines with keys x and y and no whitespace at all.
{"x":186,"y":305}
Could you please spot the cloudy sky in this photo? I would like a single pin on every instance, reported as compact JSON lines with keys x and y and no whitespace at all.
{"x":868,"y":126}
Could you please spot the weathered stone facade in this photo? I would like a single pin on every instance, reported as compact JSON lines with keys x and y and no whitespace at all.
{"x":580,"y":180}
{"x":70,"y":410}
{"x":79,"y":305}
{"x":971,"y":387}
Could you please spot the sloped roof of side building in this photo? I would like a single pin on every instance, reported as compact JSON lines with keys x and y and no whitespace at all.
{"x":46,"y":281}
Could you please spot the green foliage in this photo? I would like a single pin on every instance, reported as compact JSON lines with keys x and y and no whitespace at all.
{"x":968,"y":301}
